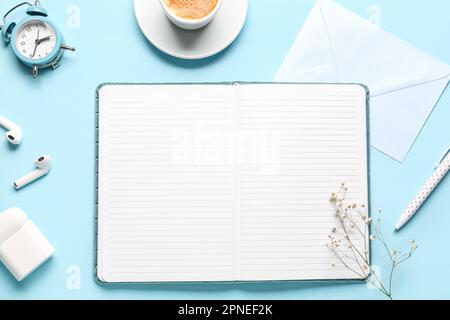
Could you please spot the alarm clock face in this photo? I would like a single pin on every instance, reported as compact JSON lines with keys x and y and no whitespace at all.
{"x":36,"y":40}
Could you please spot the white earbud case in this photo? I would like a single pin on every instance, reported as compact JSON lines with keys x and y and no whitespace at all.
{"x":23,"y":248}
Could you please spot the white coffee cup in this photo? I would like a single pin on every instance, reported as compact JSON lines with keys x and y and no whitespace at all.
{"x":190,"y":24}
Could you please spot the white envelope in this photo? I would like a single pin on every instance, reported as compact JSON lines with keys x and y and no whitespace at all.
{"x":336,"y":45}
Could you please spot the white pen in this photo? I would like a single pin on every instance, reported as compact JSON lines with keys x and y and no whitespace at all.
{"x":439,"y":174}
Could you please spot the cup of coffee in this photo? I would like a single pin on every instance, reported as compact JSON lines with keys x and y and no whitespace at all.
{"x":191,"y":14}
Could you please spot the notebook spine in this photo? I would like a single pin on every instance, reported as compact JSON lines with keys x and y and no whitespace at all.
{"x":97,"y":117}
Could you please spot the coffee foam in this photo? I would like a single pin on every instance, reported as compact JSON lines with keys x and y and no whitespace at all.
{"x":191,"y":9}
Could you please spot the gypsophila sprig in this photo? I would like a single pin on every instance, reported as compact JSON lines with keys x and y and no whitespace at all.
{"x":353,"y":227}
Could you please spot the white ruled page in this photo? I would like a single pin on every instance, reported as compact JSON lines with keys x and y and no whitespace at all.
{"x":297,"y":144}
{"x":165,"y":208}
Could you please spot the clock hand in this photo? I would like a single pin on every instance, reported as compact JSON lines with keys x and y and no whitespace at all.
{"x":36,"y":42}
{"x":44,"y":39}
{"x":34,"y":51}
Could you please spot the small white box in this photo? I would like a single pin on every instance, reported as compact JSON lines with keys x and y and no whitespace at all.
{"x":23,"y":247}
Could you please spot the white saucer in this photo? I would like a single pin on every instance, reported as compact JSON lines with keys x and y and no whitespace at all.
{"x":203,"y":43}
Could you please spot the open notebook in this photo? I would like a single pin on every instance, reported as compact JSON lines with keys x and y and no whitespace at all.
{"x":222,"y":182}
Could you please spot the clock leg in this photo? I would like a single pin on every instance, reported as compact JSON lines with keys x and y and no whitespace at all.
{"x":55,"y":65}
{"x":65,"y":47}
{"x":35,"y":71}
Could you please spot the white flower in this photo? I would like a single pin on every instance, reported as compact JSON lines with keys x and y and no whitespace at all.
{"x":333,"y":198}
{"x":368,"y":220}
{"x":373,"y":237}
{"x":413,"y":245}
{"x":394,"y":253}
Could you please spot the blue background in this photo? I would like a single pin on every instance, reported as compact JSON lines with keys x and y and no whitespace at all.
{"x":56,"y":113}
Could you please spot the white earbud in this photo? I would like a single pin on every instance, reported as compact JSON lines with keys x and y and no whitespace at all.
{"x":43,"y":165}
{"x":14,"y":134}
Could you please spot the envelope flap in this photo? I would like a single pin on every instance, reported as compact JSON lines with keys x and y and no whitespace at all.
{"x":310,"y":57}
{"x":367,"y":54}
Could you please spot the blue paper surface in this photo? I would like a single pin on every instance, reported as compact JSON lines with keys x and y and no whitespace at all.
{"x":57,"y":115}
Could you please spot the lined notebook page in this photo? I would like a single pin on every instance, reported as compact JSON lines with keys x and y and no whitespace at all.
{"x":166,"y":183}
{"x":224,"y":183}
{"x":298,"y":143}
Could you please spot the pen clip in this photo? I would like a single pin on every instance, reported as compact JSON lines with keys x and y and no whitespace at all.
{"x":443,"y":157}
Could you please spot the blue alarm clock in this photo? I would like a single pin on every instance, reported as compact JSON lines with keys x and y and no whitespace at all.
{"x":35,"y":39}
